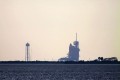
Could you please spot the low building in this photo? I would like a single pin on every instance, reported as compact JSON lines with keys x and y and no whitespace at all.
{"x":106,"y":59}
{"x":110,"y":59}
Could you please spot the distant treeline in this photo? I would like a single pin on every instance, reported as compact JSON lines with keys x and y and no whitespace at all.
{"x":59,"y":62}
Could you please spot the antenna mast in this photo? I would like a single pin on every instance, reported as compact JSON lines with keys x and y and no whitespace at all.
{"x":76,"y":36}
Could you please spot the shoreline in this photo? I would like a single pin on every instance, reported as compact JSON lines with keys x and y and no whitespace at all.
{"x":57,"y":62}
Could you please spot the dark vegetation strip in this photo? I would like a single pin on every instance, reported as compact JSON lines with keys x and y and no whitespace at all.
{"x":58,"y":62}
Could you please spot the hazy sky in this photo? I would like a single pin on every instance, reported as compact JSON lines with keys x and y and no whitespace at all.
{"x":50,"y":26}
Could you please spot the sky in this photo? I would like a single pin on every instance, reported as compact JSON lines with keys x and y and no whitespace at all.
{"x":50,"y":26}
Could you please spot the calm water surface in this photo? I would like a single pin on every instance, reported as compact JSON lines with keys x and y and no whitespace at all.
{"x":59,"y":72}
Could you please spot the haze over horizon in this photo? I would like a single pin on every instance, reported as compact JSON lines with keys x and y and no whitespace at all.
{"x":50,"y":26}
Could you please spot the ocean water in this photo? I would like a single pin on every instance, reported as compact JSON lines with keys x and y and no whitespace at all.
{"x":59,"y":72}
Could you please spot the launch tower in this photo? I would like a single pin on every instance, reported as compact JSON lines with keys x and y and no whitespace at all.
{"x":73,"y":54}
